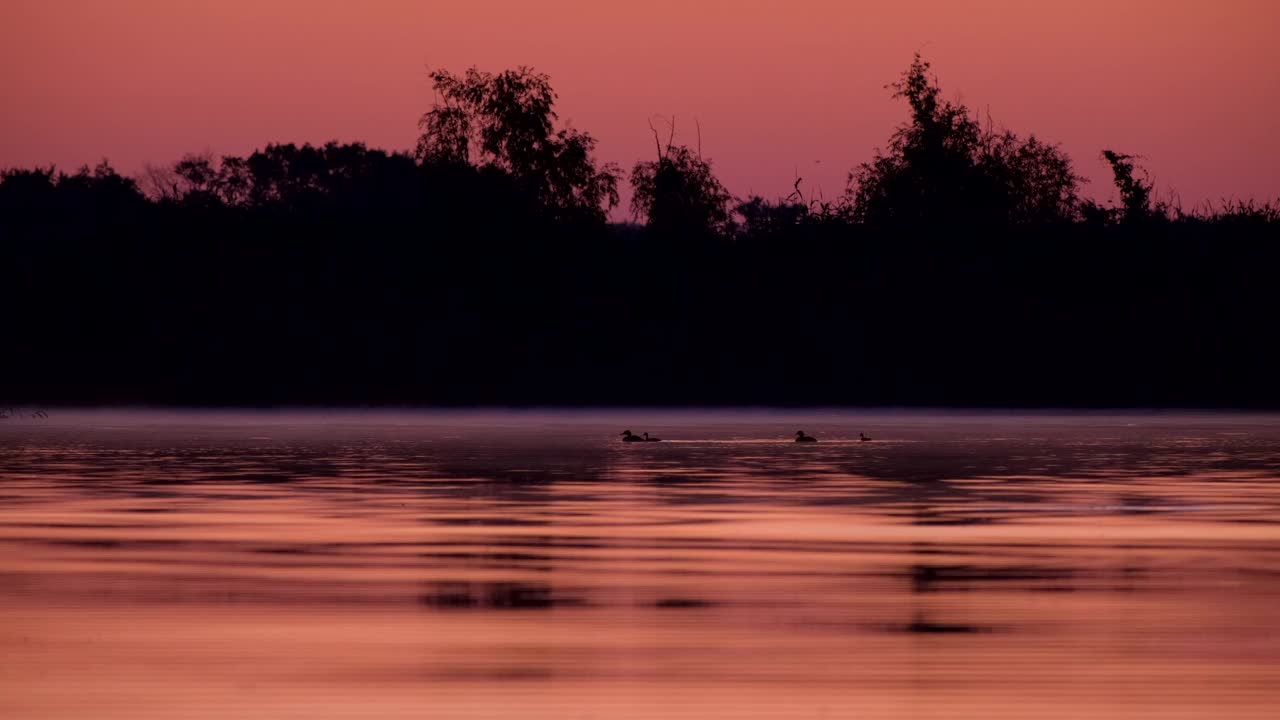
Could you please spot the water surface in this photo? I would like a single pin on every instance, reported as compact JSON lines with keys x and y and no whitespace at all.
{"x":530,"y":565}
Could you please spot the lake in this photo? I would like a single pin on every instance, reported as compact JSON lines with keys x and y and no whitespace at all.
{"x":531,"y":565}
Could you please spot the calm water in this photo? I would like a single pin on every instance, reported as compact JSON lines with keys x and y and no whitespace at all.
{"x":532,"y":566}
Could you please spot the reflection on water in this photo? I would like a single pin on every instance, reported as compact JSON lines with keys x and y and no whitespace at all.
{"x":530,"y":565}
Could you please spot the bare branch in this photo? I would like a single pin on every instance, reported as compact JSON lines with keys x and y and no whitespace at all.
{"x":657,"y":141}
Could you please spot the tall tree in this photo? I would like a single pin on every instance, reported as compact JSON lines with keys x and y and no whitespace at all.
{"x":943,"y":167}
{"x":1135,"y":192}
{"x":678,"y":193}
{"x":508,"y":121}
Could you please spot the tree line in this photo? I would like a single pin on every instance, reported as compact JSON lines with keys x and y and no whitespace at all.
{"x":962,"y":265}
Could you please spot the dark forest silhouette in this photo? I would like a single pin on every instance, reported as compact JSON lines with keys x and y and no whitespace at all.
{"x":962,"y":266}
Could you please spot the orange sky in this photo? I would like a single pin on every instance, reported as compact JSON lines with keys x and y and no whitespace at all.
{"x":777,"y":85}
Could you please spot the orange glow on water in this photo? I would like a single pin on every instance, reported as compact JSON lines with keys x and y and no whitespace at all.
{"x":536,"y":567}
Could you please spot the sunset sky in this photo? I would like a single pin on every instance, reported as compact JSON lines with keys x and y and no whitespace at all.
{"x":779,"y":87}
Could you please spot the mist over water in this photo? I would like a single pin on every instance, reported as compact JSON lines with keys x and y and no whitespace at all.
{"x":481,"y":564}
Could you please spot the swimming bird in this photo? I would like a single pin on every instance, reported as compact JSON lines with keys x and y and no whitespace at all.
{"x":863,"y":438}
{"x":801,"y":437}
{"x":628,"y":436}
{"x":649,"y":439}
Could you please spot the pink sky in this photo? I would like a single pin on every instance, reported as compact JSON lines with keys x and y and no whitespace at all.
{"x":779,"y":86}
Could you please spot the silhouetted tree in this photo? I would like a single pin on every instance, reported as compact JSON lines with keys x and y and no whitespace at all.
{"x":762,"y":218}
{"x":340,"y":273}
{"x":102,"y":185}
{"x":194,"y":180}
{"x":27,"y":192}
{"x":507,"y":121}
{"x":91,"y":195}
{"x":943,"y":167}
{"x":289,"y":176}
{"x":679,"y":194}
{"x":1033,"y":181}
{"x":1135,"y":193}
{"x":296,"y":176}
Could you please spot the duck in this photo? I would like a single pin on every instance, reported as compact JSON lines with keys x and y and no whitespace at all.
{"x":628,"y":436}
{"x":863,"y":438}
{"x":801,"y":437}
